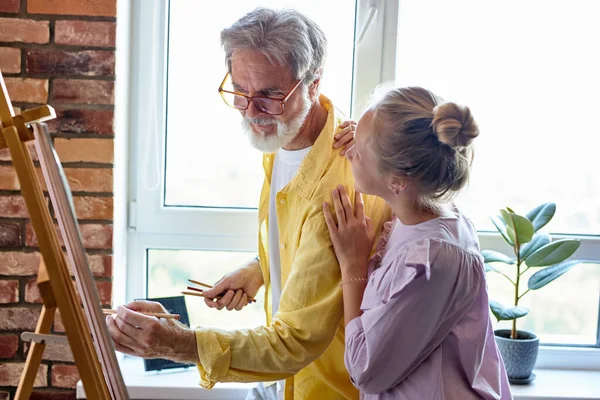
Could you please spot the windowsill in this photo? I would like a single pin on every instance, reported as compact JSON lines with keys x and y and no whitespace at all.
{"x":182,"y":384}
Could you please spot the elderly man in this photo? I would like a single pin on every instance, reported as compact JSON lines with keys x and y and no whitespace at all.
{"x":275,"y":60}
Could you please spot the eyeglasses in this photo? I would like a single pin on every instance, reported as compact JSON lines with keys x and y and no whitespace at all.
{"x":265,"y":104}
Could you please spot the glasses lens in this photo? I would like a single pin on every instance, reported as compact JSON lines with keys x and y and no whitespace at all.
{"x":267,"y":105}
{"x":235,"y":101}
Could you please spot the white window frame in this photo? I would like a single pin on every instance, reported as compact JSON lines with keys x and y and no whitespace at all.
{"x":153,"y":226}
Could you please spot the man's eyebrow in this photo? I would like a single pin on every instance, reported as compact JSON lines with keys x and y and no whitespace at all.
{"x":265,"y":92}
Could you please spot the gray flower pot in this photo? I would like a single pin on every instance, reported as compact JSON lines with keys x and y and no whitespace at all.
{"x":519,"y":355}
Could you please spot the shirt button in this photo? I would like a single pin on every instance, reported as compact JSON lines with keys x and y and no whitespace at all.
{"x":282,"y":201}
{"x":282,"y":246}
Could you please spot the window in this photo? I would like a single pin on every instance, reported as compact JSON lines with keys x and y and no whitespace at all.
{"x":526,"y":71}
{"x":197,"y":180}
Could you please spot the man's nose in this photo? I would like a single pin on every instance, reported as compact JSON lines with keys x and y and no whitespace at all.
{"x":252,"y":111}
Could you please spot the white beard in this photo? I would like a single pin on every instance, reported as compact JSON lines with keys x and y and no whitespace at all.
{"x":284,"y":134}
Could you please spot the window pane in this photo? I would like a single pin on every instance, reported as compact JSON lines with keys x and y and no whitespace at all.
{"x":209,"y":160}
{"x":528,"y":72}
{"x":168,"y":274}
{"x":563,"y":312}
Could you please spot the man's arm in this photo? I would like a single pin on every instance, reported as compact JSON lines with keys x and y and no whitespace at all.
{"x":309,"y":314}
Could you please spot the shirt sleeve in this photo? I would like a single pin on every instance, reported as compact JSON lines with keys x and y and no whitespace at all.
{"x":431,"y":289}
{"x":309,"y":314}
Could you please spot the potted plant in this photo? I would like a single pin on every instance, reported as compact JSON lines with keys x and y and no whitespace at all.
{"x":534,"y":250}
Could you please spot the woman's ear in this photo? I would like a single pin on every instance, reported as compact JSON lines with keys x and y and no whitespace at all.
{"x":398,"y":184}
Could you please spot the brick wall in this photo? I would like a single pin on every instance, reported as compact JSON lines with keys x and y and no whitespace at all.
{"x":62,"y":53}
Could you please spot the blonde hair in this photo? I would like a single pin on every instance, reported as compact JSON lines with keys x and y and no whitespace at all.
{"x":419,"y":136}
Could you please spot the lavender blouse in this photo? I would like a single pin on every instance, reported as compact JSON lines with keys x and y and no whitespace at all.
{"x":426,"y":331}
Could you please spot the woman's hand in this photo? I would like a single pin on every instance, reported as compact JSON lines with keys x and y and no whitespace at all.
{"x":352,"y":236}
{"x":345,"y":137}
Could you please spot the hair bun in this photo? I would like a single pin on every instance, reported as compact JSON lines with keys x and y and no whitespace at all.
{"x":454,"y":125}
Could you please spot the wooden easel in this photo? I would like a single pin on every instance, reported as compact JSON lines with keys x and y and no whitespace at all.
{"x":95,"y":359}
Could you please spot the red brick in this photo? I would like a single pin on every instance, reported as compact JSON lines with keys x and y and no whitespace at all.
{"x":82,"y":121}
{"x":100,"y":8}
{"x":58,"y":352}
{"x":79,"y":91}
{"x":52,"y":394}
{"x":5,"y":152}
{"x":83,"y":63}
{"x":104,"y":289}
{"x":10,"y":234}
{"x":58,"y":324}
{"x":10,"y":6}
{"x":16,"y":263}
{"x":8,"y":178}
{"x":64,"y":376}
{"x":11,"y":372}
{"x":9,"y":291}
{"x":88,"y":207}
{"x":100,"y":265}
{"x":18,"y":319}
{"x":12,"y":206}
{"x":27,"y":90}
{"x":32,"y":293}
{"x":9,"y":344}
{"x":24,"y":30}
{"x":85,"y":150}
{"x":85,"y":33}
{"x":98,"y":180}
{"x":10,"y":60}
{"x":94,"y":236}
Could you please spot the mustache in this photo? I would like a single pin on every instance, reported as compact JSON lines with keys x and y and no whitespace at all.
{"x":261,"y":121}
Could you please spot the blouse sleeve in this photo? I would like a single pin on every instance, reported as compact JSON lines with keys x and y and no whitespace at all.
{"x":431,"y":288}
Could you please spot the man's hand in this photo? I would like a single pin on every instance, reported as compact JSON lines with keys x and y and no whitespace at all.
{"x":345,"y":136}
{"x":235,"y":288}
{"x":144,"y":336}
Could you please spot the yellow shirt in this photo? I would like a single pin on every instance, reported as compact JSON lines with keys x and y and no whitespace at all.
{"x":304,"y":340}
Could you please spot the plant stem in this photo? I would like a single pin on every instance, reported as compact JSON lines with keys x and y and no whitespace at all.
{"x":524,"y":293}
{"x":506,"y":276}
{"x":513,"y":333}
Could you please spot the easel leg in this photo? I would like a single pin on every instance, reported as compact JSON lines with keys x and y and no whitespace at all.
{"x":34,"y":357}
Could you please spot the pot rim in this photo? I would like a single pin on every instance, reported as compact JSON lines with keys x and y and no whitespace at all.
{"x":535,"y":338}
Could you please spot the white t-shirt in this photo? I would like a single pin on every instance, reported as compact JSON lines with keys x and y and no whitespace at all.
{"x":285,"y":168}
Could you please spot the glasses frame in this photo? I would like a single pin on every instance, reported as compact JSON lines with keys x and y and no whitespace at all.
{"x":251,"y":98}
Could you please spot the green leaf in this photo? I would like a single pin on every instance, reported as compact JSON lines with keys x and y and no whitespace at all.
{"x":506,"y":314}
{"x":518,"y":228}
{"x":553,"y":253}
{"x":547,"y":275}
{"x":495,"y":256}
{"x":501,"y":227}
{"x":539,"y":239}
{"x":541,"y":215}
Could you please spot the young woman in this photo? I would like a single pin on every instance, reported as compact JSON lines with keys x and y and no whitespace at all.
{"x":416,"y":313}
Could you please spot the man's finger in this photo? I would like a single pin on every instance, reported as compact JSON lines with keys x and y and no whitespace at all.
{"x":135,"y":318}
{"x":243,"y":302}
{"x":226,"y":299}
{"x":118,"y":336}
{"x":236,"y":299}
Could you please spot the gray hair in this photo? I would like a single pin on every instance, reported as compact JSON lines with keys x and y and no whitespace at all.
{"x":285,"y":37}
